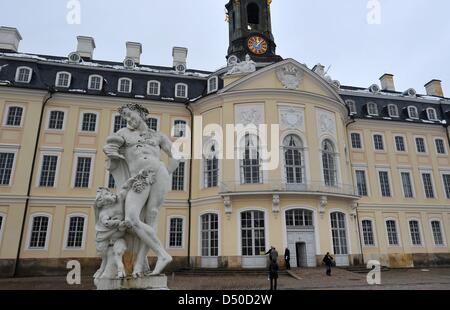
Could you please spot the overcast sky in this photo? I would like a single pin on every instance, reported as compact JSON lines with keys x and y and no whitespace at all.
{"x":412,"y":41}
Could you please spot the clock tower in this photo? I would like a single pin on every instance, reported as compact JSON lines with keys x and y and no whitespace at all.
{"x":251,"y":30}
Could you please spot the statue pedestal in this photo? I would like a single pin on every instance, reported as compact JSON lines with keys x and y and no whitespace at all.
{"x":144,"y":283}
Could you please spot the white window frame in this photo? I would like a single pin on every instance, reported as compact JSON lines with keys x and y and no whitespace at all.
{"x":90,"y":81}
{"x":66,"y":231}
{"x":422,"y":241}
{"x":8,"y":106}
{"x":58,"y":76}
{"x":210,"y":90}
{"x":239,"y":227}
{"x":361,"y":138}
{"x":372,"y":104}
{"x":430,"y":172}
{"x":120,"y":83}
{"x":366,"y":176}
{"x":113,"y":121}
{"x":3,"y":216}
{"x":416,"y":111}
{"x":202,"y":166}
{"x":405,"y":142}
{"x":183,"y":235}
{"x":435,"y":113}
{"x":442,"y":173}
{"x":80,"y":124}
{"x":411,"y":178}
{"x":351,"y":106}
{"x":384,"y":150}
{"x":77,"y":155}
{"x":399,"y":236}
{"x":30,"y":228}
{"x":185,"y":179}
{"x":375,"y":241}
{"x":176,"y":90}
{"x":391,"y":189}
{"x":158,"y":118}
{"x":15,"y":150}
{"x":29,"y":77}
{"x":58,"y":165}
{"x":445,"y":154}
{"x":444,"y":239}
{"x":397,"y":115}
{"x":219,"y":235}
{"x":172,"y":130}
{"x":159,"y":88}
{"x":425,"y":143}
{"x":47,"y":125}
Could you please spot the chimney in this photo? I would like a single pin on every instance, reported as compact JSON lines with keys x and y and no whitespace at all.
{"x":387,"y":82}
{"x":86,"y":46}
{"x":434,"y":88}
{"x":134,"y":51}
{"x":9,"y":39}
{"x":179,"y":57}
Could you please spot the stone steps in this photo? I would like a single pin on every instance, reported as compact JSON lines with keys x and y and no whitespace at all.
{"x":212,"y":272}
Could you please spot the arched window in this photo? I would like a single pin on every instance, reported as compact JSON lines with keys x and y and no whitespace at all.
{"x":211,"y":167}
{"x":23,"y":75}
{"x":253,"y":13}
{"x":393,"y":110}
{"x":412,"y":112}
{"x":253,"y":233}
{"x":339,"y":233}
{"x":210,"y":235}
{"x":372,"y":109}
{"x":299,"y":218}
{"x":125,"y":85}
{"x":432,"y":115}
{"x":251,"y":164}
{"x":294,"y":162}
{"x":63,"y":79}
{"x":329,"y":163}
{"x":95,"y":82}
{"x":212,"y":84}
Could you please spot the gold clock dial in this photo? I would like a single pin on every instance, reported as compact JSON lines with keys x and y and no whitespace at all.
{"x":257,"y":45}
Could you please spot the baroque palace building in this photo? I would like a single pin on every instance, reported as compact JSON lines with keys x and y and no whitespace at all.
{"x":364,"y":173}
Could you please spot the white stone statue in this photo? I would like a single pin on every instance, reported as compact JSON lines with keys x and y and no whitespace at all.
{"x":129,"y":220}
{"x":247,"y":66}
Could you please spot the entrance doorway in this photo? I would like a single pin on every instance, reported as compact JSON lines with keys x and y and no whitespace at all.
{"x":301,"y":254}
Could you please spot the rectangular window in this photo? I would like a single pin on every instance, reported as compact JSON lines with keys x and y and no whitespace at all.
{"x":368,"y":233}
{"x":392,"y":233}
{"x":181,"y":91}
{"x":152,"y":123}
{"x":6,"y":166}
{"x":14,"y":117}
{"x":178,"y":178}
{"x":95,"y":83}
{"x":39,"y":229}
{"x":407,"y":185}
{"x":437,"y":233}
{"x":89,"y":123}
{"x":420,"y":143}
{"x":176,"y":233}
{"x":75,"y":233}
{"x":415,"y":233}
{"x":83,"y":172}
{"x":48,"y":171}
{"x":400,"y":144}
{"x":384,"y":183}
{"x":446,"y":181}
{"x":356,"y":141}
{"x":56,"y":120}
{"x":378,"y":142}
{"x":211,"y":172}
{"x":361,"y":182}
{"x":179,"y":129}
{"x":119,"y":123}
{"x":440,"y":146}
{"x":428,"y":185}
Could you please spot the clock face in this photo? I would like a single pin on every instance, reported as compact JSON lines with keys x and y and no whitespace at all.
{"x":257,"y":45}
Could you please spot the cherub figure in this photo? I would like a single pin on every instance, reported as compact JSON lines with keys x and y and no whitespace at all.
{"x":111,"y":230}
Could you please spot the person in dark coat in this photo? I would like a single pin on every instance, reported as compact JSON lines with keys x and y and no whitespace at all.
{"x":287,"y":258}
{"x":328,"y":261}
{"x":273,"y":275}
{"x":273,"y":254}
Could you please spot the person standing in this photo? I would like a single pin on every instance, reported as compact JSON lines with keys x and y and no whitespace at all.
{"x":273,"y":254}
{"x":328,"y":261}
{"x":273,"y":275}
{"x":287,"y":258}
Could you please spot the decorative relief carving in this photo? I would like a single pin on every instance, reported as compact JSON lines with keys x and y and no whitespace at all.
{"x":276,"y":204}
{"x":290,"y":76}
{"x":228,"y":205}
{"x":247,"y":115}
{"x":323,"y":203}
{"x":292,"y":118}
{"x":326,"y":122}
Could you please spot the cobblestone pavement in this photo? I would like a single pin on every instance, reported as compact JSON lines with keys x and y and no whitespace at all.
{"x":311,"y":279}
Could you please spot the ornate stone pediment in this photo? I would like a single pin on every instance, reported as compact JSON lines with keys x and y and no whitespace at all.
{"x":290,"y":76}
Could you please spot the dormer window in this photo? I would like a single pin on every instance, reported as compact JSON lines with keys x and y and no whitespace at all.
{"x":212,"y":84}
{"x":372,"y":109}
{"x":413,"y":113}
{"x":125,"y":85}
{"x":24,"y":74}
{"x":95,"y":82}
{"x":393,"y":110}
{"x":153,"y":88}
{"x":432,"y":115}
{"x":63,"y":79}
{"x":351,"y":106}
{"x":181,"y":90}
